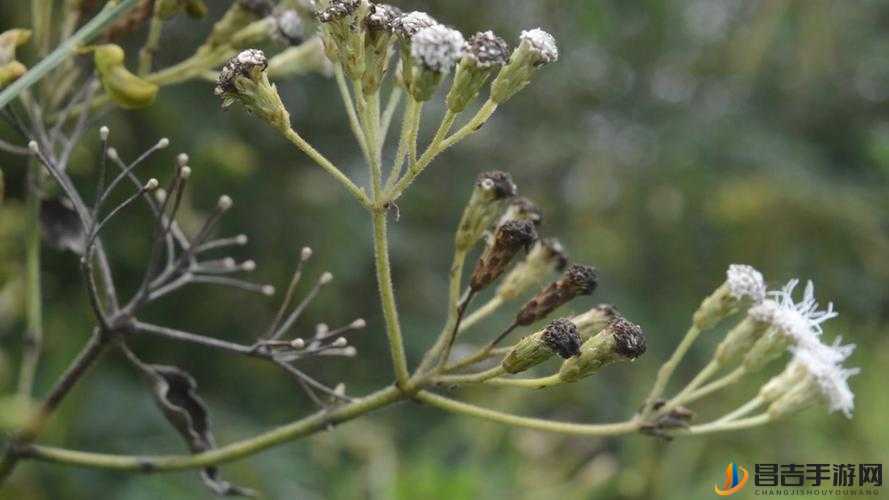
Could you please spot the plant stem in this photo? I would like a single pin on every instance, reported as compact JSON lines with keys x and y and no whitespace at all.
{"x":316,"y":422}
{"x":734,"y":425}
{"x":666,"y":371}
{"x":434,"y":150}
{"x":529,"y":383}
{"x":324,"y":163}
{"x":708,"y":389}
{"x":456,"y":275}
{"x":152,"y":42}
{"x":744,"y":409}
{"x":350,"y":111}
{"x":702,"y":376}
{"x":33,"y":343}
{"x":90,"y":30}
{"x":453,"y":406}
{"x":84,"y":360}
{"x":471,"y":378}
{"x":391,"y":106}
{"x":481,"y":313}
{"x":411,"y":116}
{"x":387,"y":297}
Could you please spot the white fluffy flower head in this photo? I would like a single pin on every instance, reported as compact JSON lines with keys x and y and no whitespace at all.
{"x":438,"y":47}
{"x":409,"y":24}
{"x":542,"y":44}
{"x":799,"y":321}
{"x":745,"y":281}
{"x":824,"y":363}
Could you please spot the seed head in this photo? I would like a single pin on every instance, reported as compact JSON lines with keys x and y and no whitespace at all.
{"x":508,"y":240}
{"x":407,"y":25}
{"x":382,"y":17}
{"x":499,"y":184}
{"x":577,"y":280}
{"x":562,"y":338}
{"x":338,"y":9}
{"x":542,"y":45}
{"x":629,"y":338}
{"x":486,"y":50}
{"x":437,"y":48}
{"x":584,"y":279}
{"x":246,"y":64}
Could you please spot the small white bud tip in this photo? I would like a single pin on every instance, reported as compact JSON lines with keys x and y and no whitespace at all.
{"x":306,"y":253}
{"x":326,"y":278}
{"x":182,"y":159}
{"x":268,"y":290}
{"x":34,"y":147}
{"x":321,"y":329}
{"x":112,"y":154}
{"x":103,"y":133}
{"x":152,"y":184}
{"x":340,"y":389}
{"x":185,"y":172}
{"x":164,"y":142}
{"x":229,"y":263}
{"x":161,"y":195}
{"x":349,"y":352}
{"x":358,"y":324}
{"x":225,"y":202}
{"x":340,"y":342}
{"x":298,"y":343}
{"x":248,"y":265}
{"x":241,"y":239}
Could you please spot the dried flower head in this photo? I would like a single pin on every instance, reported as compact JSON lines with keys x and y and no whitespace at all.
{"x":562,"y":338}
{"x":407,"y":25}
{"x":248,"y":64}
{"x":536,"y":49}
{"x":382,"y":17}
{"x":577,"y":280}
{"x":337,"y":9}
{"x":486,"y":50}
{"x":629,"y":339}
{"x":244,"y":78}
{"x":595,"y":320}
{"x":497,"y":184}
{"x":509,"y":239}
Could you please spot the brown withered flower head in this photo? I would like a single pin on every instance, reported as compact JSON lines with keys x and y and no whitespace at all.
{"x":498,"y":183}
{"x":577,"y":280}
{"x":629,"y":338}
{"x":486,"y":50}
{"x":509,"y":239}
{"x":562,"y":338}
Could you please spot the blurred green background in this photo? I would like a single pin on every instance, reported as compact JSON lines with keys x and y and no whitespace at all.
{"x":670,"y":140}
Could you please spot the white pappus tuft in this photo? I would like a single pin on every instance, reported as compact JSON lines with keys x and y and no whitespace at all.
{"x":437,"y":48}
{"x":825,"y":364}
{"x":745,"y":281}
{"x":542,"y":44}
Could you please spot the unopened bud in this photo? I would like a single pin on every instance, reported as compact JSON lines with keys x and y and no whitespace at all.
{"x":248,"y":265}
{"x":577,"y":280}
{"x":743,"y":285}
{"x":185,"y":172}
{"x":268,"y":290}
{"x":151,"y":185}
{"x":621,"y":340}
{"x":112,"y":154}
{"x":536,"y":49}
{"x":326,"y":278}
{"x":377,"y":44}
{"x":484,"y":54}
{"x":593,"y":321}
{"x":491,"y":190}
{"x":182,"y":159}
{"x":163,"y":143}
{"x":241,"y":239}
{"x":224,"y":203}
{"x":298,"y":343}
{"x":509,"y":239}
{"x":305,"y":253}
{"x":34,"y":147}
{"x":358,"y":324}
{"x":740,"y":339}
{"x":344,"y":32}
{"x":340,"y":342}
{"x":104,"y":132}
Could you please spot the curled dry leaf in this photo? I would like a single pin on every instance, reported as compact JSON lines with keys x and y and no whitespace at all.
{"x":174,"y":391}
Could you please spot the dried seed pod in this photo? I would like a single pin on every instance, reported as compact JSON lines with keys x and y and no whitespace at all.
{"x":577,"y":280}
{"x":508,"y":240}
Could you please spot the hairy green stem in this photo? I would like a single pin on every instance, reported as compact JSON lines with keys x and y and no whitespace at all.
{"x":481,"y":313}
{"x":387,"y":297}
{"x":454,"y":290}
{"x":357,"y":131}
{"x":411,"y":116}
{"x":666,"y":371}
{"x":152,"y":42}
{"x":734,"y":425}
{"x":453,"y":406}
{"x":471,"y":378}
{"x":329,"y":167}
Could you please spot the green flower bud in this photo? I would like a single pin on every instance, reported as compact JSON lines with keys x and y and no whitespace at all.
{"x":484,"y":54}
{"x":237,"y":17}
{"x":536,"y":49}
{"x":545,"y":256}
{"x":434,"y":51}
{"x":124,"y":88}
{"x":803,"y":394}
{"x":743,"y":285}
{"x":508,"y":240}
{"x":491,"y":190}
{"x":768,"y":348}
{"x":344,"y":32}
{"x":405,"y":27}
{"x":619,"y":341}
{"x":739,"y":340}
{"x":10,"y":68}
{"x":560,"y":337}
{"x":244,"y":79}
{"x":378,"y":44}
